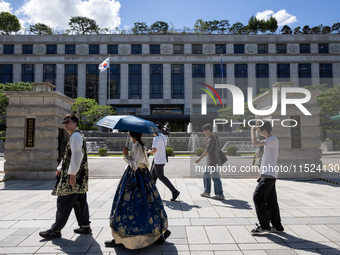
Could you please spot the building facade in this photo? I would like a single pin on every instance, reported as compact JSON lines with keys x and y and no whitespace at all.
{"x":162,"y":77}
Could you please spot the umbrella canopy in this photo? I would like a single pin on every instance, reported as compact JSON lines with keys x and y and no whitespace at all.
{"x":129,"y":123}
{"x":335,"y":118}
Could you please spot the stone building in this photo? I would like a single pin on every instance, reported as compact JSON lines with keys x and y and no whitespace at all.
{"x":161,"y":76}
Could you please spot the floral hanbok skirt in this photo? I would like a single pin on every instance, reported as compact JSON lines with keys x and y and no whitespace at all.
{"x":137,"y":217}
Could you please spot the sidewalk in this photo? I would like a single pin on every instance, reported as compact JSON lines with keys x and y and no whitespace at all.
{"x":309,"y":211}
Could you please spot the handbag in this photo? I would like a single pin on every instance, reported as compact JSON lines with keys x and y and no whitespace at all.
{"x":223,"y":157}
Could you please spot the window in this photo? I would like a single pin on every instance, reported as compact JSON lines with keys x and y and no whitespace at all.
{"x":280,"y":48}
{"x":326,"y":75}
{"x":262,"y":48}
{"x":112,"y":49}
{"x":93,"y":49}
{"x":27,"y":73}
{"x":283,"y":72}
{"x":49,"y":73}
{"x":304,"y":48}
{"x":197,"y":49}
{"x":135,"y":81}
{"x":218,"y":78}
{"x":92,"y":81}
{"x":70,"y":49}
{"x":129,"y":109}
{"x":51,"y":49}
{"x":262,"y":77}
{"x":323,"y":48}
{"x":241,"y":78}
{"x":71,"y":81}
{"x":177,"y":81}
{"x":114,"y":90}
{"x":136,"y":49}
{"x":155,"y":49}
{"x":305,"y":75}
{"x":156,"y":81}
{"x":220,"y":48}
{"x":198,"y":77}
{"x":6,"y":74}
{"x":8,"y":49}
{"x":27,"y":49}
{"x":166,"y":110}
{"x":178,"y":49}
{"x":238,"y":48}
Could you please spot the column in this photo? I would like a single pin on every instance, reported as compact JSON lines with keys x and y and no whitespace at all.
{"x":251,"y":78}
{"x":315,"y":74}
{"x":103,"y":88}
{"x":103,"y":49}
{"x":230,"y":49}
{"x":187,"y":89}
{"x":314,"y":48}
{"x":336,"y":73}
{"x":145,"y":89}
{"x":16,"y":73}
{"x":60,"y":78}
{"x":272,"y":74}
{"x":60,"y":49}
{"x":81,"y":80}
{"x":17,"y":49}
{"x":187,"y":49}
{"x":145,"y":49}
{"x":272,"y":48}
{"x":294,"y":76}
{"x":166,"y":81}
{"x":124,"y":81}
{"x":209,"y":76}
{"x":230,"y":80}
{"x":38,"y":72}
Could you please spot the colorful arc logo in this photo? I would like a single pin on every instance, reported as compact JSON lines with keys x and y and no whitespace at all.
{"x":211,"y":95}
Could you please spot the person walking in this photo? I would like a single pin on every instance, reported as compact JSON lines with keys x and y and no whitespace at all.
{"x":72,"y":183}
{"x":213,"y":160}
{"x":157,"y":171}
{"x":265,"y":198}
{"x":138,"y":218}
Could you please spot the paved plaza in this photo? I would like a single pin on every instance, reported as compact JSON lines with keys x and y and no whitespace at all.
{"x":309,"y":209}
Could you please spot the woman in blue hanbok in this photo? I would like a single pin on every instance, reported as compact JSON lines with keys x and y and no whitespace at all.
{"x":137,"y":218}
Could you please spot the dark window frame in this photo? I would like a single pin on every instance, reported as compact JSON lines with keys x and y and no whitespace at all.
{"x":220,"y":49}
{"x":304,"y":48}
{"x":6,"y":73}
{"x":92,"y":76}
{"x":262,"y":76}
{"x":238,"y":48}
{"x":54,"y":50}
{"x":9,"y":49}
{"x":114,"y":81}
{"x":177,"y":81}
{"x":135,"y":81}
{"x":156,"y":81}
{"x":323,"y":48}
{"x":281,"y":48}
{"x":47,"y":74}
{"x":326,"y":77}
{"x":283,"y":76}
{"x":305,"y":78}
{"x":27,"y":49}
{"x":264,"y":50}
{"x":70,"y":49}
{"x":71,"y":75}
{"x":198,"y":73}
{"x":136,"y":49}
{"x":27,"y":76}
{"x":155,"y":49}
{"x":241,"y":78}
{"x":180,"y":50}
{"x":112,"y":49}
{"x":197,"y":48}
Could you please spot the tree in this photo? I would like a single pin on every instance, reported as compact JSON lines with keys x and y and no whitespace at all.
{"x":9,"y":23}
{"x":200,"y":26}
{"x":306,"y":30}
{"x":98,"y":112}
{"x":82,"y":106}
{"x":286,"y":30}
{"x":316,"y":30}
{"x":83,"y":25}
{"x":272,"y":24}
{"x":159,"y":27}
{"x":297,"y":31}
{"x":253,"y":24}
{"x":336,"y":27}
{"x":40,"y":29}
{"x":326,"y":30}
{"x":223,"y":25}
{"x":237,"y":28}
{"x":140,"y":28}
{"x":18,"y":86}
{"x":211,"y":26}
{"x":263,"y":26}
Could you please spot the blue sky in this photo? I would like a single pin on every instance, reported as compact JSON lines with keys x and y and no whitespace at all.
{"x":123,"y":13}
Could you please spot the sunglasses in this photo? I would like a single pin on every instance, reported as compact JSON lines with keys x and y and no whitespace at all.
{"x":65,"y":122}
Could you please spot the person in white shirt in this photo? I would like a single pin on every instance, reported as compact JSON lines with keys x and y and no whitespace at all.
{"x":72,"y":183}
{"x":265,"y":198}
{"x":157,"y":171}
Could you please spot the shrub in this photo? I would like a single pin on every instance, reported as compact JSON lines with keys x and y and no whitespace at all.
{"x":102,"y":151}
{"x":232,"y":149}
{"x":3,"y":139}
{"x":199,"y":151}
{"x":169,"y":151}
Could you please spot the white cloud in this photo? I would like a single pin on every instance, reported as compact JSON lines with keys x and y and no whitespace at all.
{"x":57,"y":14}
{"x":5,"y":7}
{"x":282,"y":17}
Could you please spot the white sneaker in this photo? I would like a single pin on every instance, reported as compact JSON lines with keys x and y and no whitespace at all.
{"x":204,"y":194}
{"x":218,"y":197}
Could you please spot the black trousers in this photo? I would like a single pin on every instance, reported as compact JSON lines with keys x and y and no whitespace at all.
{"x":265,"y":200}
{"x":157,"y":171}
{"x":65,"y":204}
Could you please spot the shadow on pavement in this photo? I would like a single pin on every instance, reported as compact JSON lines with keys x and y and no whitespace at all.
{"x":28,"y":185}
{"x":236,"y":204}
{"x":179,"y":205}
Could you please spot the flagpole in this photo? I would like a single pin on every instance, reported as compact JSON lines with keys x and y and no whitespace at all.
{"x":109,"y":81}
{"x":222,"y":81}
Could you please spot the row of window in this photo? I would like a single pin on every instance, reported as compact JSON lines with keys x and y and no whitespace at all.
{"x":156,"y":78}
{"x":177,"y":49}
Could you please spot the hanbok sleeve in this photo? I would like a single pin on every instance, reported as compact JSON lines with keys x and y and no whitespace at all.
{"x":135,"y":157}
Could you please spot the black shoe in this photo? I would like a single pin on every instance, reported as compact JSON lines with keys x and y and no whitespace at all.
{"x":162,"y":239}
{"x":175,"y":194}
{"x":110,"y":243}
{"x":49,"y":234}
{"x":276,"y":230}
{"x":82,"y":230}
{"x":258,"y":230}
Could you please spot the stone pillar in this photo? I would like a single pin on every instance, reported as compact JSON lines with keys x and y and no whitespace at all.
{"x":145,"y":89}
{"x":81,"y":80}
{"x":307,"y":134}
{"x":187,"y":88}
{"x":145,"y":48}
{"x":230,"y":80}
{"x":60,"y":78}
{"x":315,"y":74}
{"x":103,"y":89}
{"x":39,"y":160}
{"x":294,"y":75}
{"x":124,"y":81}
{"x":230,"y":49}
{"x":166,"y":81}
{"x":272,"y":48}
{"x":17,"y":72}
{"x":252,"y":78}
{"x":187,"y":49}
{"x":336,"y":73}
{"x":39,"y":72}
{"x":272,"y":73}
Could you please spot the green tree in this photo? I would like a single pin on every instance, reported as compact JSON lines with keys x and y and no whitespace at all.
{"x":336,"y":28}
{"x":263,"y":26}
{"x":159,"y":27}
{"x":223,"y":25}
{"x":18,"y":86}
{"x":227,"y":113}
{"x":237,"y":28}
{"x":212,"y":26}
{"x":286,"y":30}
{"x":200,"y":26}
{"x":272,"y":24}
{"x":253,"y":25}
{"x":98,"y":112}
{"x":306,"y":30}
{"x":140,"y":28}
{"x":326,"y":30}
{"x":9,"y":23}
{"x":40,"y":29}
{"x":83,"y":25}
{"x":297,"y":31}
{"x":316,"y":30}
